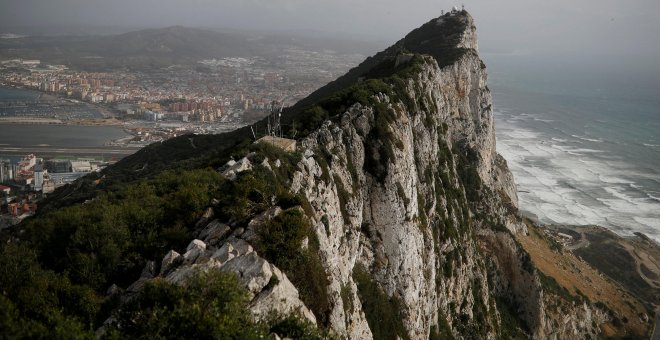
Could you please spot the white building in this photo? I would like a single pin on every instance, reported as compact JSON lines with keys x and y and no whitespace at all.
{"x":81,"y":166}
{"x":38,"y":177}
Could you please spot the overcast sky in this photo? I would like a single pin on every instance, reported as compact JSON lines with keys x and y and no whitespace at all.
{"x":612,"y":27}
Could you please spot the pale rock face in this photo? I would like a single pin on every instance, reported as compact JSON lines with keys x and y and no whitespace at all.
{"x":380,"y":224}
{"x":194,"y":250}
{"x":233,"y":168}
{"x":402,"y":255}
{"x":416,"y":229}
{"x":214,"y":232}
{"x":169,"y":261}
{"x":281,"y":299}
{"x":574,"y":322}
{"x":253,"y":272}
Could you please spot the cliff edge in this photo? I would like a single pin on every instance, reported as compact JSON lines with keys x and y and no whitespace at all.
{"x":395,"y":218}
{"x":411,"y":210}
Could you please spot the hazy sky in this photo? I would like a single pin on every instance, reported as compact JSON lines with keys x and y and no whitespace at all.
{"x":561,"y":26}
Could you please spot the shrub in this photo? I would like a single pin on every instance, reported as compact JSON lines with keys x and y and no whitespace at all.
{"x":213,"y":305}
{"x":281,"y":243}
{"x":383,"y":313}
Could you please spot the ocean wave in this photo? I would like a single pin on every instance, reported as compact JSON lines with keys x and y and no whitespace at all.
{"x":564,"y":184}
{"x":649,"y":221}
{"x":587,"y":139}
{"x":654,"y":198}
{"x":613,"y":180}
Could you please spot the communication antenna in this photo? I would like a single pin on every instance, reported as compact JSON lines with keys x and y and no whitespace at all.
{"x":279,"y":118}
{"x":270,"y":116}
{"x":294,"y":132}
{"x":275,"y":118}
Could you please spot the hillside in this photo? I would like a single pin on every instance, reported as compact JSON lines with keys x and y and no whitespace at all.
{"x":395,"y":218}
{"x":162,"y":47}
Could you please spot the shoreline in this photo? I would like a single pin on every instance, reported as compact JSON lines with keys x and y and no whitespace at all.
{"x":46,"y":150}
{"x":109,"y":118}
{"x":566,"y":180}
{"x":48,"y":121}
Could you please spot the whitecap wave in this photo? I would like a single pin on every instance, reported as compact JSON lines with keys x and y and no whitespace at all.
{"x":564,"y":184}
{"x":587,"y":139}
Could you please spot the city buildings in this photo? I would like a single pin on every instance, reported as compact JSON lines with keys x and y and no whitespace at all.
{"x":201,"y":93}
{"x":33,"y":174}
{"x":7,"y":170}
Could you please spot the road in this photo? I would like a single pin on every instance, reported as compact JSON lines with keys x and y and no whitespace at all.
{"x":584,"y":242}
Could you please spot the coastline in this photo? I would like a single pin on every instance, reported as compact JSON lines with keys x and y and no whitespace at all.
{"x":53,"y":121}
{"x":109,"y":118}
{"x":567,"y":180}
{"x":82,"y":138}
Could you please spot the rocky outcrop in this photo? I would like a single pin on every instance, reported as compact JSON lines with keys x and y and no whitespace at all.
{"x":271,"y":292}
{"x":434,"y":228}
{"x":410,"y":203}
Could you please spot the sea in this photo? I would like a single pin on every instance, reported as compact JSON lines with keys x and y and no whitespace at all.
{"x":60,"y":136}
{"x":28,"y":138}
{"x":582,"y":140}
{"x":10,"y":94}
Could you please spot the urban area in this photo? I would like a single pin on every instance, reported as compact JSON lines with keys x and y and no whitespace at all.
{"x":215,"y":90}
{"x":30,"y":179}
{"x":211,"y":96}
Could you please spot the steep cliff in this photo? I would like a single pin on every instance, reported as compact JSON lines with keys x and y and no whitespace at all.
{"x":415,"y":196}
{"x":412,"y":210}
{"x":395,"y":217}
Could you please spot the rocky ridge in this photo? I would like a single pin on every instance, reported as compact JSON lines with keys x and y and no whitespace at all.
{"x":413,"y":210}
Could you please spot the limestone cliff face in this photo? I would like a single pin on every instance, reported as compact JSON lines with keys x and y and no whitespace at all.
{"x":407,"y":195}
{"x":431,"y":230}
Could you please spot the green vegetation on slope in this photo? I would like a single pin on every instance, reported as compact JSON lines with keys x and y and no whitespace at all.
{"x":511,"y":326}
{"x":619,"y":265}
{"x":212,"y":305}
{"x":383,"y":312}
{"x":280,"y":243}
{"x":109,"y":239}
{"x":57,"y":267}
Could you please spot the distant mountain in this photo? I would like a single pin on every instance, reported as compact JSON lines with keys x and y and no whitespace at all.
{"x":162,"y":47}
{"x":176,"y":42}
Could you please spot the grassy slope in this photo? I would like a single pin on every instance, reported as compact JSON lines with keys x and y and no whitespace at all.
{"x":632,"y":262}
{"x":579,"y":278}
